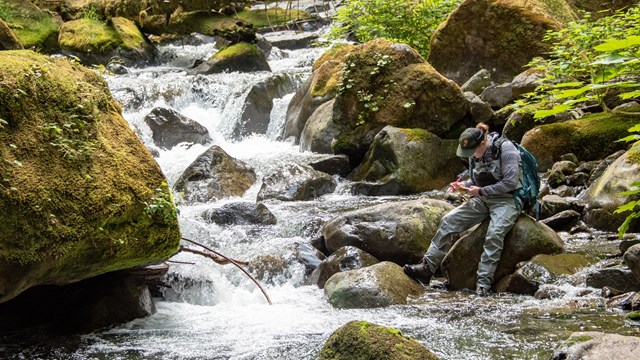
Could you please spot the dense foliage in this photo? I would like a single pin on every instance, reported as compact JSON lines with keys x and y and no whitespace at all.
{"x":405,"y":21}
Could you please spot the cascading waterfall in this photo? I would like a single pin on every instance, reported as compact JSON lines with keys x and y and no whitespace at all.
{"x":211,"y":311}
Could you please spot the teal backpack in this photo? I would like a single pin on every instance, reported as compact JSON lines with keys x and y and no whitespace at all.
{"x":530,"y":189}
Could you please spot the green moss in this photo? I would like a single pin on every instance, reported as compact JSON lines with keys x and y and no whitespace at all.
{"x":88,"y":35}
{"x":420,"y":135}
{"x":236,"y":50}
{"x":634,"y":316}
{"x":573,"y":340}
{"x":273,"y":16}
{"x":129,"y":33}
{"x":30,"y":25}
{"x":65,"y":216}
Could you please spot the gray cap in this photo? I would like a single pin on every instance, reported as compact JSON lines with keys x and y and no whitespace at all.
{"x":469,"y":141}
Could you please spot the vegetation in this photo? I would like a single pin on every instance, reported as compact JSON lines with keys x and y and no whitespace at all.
{"x":405,"y":21}
{"x":271,"y":17}
{"x":31,"y":26}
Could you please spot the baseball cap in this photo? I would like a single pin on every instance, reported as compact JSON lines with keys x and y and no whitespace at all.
{"x":469,"y":141}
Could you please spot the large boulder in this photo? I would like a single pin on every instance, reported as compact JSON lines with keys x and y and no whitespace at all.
{"x":170,"y":128}
{"x":344,"y":259}
{"x":32,"y":27}
{"x":214,"y":175}
{"x":202,"y":22}
{"x":240,"y":57}
{"x":320,"y":130}
{"x":97,"y":42}
{"x":603,"y":196}
{"x":400,"y":232}
{"x":598,"y":345}
{"x":403,"y":159}
{"x":378,"y":285}
{"x":498,"y":35}
{"x":592,"y":137}
{"x":81,"y":195}
{"x":8,"y":40}
{"x":296,"y":182}
{"x":527,"y":239}
{"x":240,"y":213}
{"x":360,"y":340}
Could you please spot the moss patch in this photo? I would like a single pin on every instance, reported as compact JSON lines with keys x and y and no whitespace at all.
{"x":79,"y":193}
{"x":211,"y":24}
{"x":271,"y":17}
{"x":88,"y":35}
{"x":32,"y":26}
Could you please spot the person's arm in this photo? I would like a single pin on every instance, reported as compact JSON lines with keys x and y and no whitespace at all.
{"x":510,"y":164}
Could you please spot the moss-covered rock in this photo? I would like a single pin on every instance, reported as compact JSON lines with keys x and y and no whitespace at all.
{"x":361,"y":340}
{"x":603,"y":196}
{"x":241,"y":57}
{"x":498,"y":35}
{"x":400,"y":232}
{"x":97,"y":42}
{"x":33,"y":27}
{"x":206,"y":23}
{"x":273,"y":16}
{"x":378,"y":285}
{"x":403,"y":159}
{"x":592,"y":137}
{"x":8,"y":40}
{"x":79,"y":193}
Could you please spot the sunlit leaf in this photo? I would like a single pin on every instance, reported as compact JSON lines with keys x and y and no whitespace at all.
{"x":618,"y":44}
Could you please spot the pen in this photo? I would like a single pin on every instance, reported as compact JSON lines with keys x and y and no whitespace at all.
{"x":451,"y":186}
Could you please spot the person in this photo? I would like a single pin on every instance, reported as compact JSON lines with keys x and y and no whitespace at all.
{"x":491,"y":186}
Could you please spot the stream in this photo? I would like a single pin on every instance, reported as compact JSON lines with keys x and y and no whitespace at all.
{"x":212,"y":311}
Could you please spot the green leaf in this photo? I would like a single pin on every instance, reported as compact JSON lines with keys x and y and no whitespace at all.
{"x":555,"y":110}
{"x":618,"y":44}
{"x":629,"y":138}
{"x":611,"y":59}
{"x":626,"y":207}
{"x":630,"y":95}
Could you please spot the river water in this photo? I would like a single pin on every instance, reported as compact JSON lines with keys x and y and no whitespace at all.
{"x":215,"y":312}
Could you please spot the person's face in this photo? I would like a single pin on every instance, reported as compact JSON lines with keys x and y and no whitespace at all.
{"x":480,"y":149}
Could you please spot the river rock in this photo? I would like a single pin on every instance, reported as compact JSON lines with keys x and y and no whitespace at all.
{"x":89,"y":155}
{"x":592,"y":137}
{"x":296,"y":182}
{"x":256,"y":110}
{"x":619,"y":278}
{"x":603,"y":196}
{"x":8,"y":40}
{"x":500,"y":36}
{"x":320,"y":130}
{"x":333,"y":165}
{"x":344,"y":259}
{"x":240,"y":213}
{"x":214,"y":175}
{"x":378,"y":285}
{"x":364,"y":340}
{"x":396,"y":231}
{"x":97,"y":42}
{"x":629,"y":301}
{"x":632,"y":259}
{"x":291,"y":40}
{"x":170,"y":128}
{"x":33,"y":28}
{"x":240,"y":57}
{"x":184,"y":24}
{"x":562,"y":221}
{"x":543,"y":269}
{"x":527,"y":239}
{"x":598,"y":345}
{"x":402,"y":159}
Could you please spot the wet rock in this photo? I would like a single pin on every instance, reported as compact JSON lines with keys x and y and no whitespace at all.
{"x":629,"y":301}
{"x":240,"y":213}
{"x":308,"y":256}
{"x":543,"y":269}
{"x":392,"y":161}
{"x":578,"y":180}
{"x":395,"y":231}
{"x":497,"y":96}
{"x":603,"y":196}
{"x":296,"y":182}
{"x":320,"y":130}
{"x":527,"y":239}
{"x":626,"y":244}
{"x":632,"y":259}
{"x":344,"y":259}
{"x":621,"y":279}
{"x":333,"y":165}
{"x":480,"y":110}
{"x":284,"y":266}
{"x":291,"y":40}
{"x":564,"y":191}
{"x":256,"y":111}
{"x":379,"y":285}
{"x":597,"y":345}
{"x":603,"y":165}
{"x":562,"y":221}
{"x":554,"y":204}
{"x":170,"y":128}
{"x":214,"y":175}
{"x":478,"y":82}
{"x":476,"y":36}
{"x":240,"y":57}
{"x":364,"y":340}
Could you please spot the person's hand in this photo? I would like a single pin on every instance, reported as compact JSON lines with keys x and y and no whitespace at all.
{"x":456,"y":186}
{"x":474,"y":190}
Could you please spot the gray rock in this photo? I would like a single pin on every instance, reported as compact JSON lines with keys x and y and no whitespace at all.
{"x":498,"y":96}
{"x":632,"y":259}
{"x":291,"y":40}
{"x":480,"y":110}
{"x":478,"y":82}
{"x":344,"y":259}
{"x":320,"y":130}
{"x":170,"y":128}
{"x":333,"y":165}
{"x":240,"y":213}
{"x":597,"y":345}
{"x":295,"y":183}
{"x":526,"y":82}
{"x":621,"y":279}
{"x":562,"y":221}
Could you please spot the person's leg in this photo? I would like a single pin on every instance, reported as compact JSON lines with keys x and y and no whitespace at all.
{"x":504,"y":214}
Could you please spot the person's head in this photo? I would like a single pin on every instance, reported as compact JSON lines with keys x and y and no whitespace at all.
{"x":472,"y":141}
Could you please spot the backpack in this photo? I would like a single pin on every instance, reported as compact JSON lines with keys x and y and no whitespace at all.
{"x":530,"y":189}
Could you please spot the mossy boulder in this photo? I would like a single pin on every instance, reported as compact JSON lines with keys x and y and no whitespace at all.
{"x":33,"y":27}
{"x":8,"y":40}
{"x":603,"y":196}
{"x":592,"y":137}
{"x":79,"y":193}
{"x":241,"y":57}
{"x":526,"y":239}
{"x":498,"y":35}
{"x":400,"y":231}
{"x":97,"y":42}
{"x":201,"y":22}
{"x":378,"y":285}
{"x":273,"y":16}
{"x":402,"y":159}
{"x":361,"y":340}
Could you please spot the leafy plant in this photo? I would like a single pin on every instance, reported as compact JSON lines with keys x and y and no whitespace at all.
{"x":405,"y":21}
{"x":161,"y":206}
{"x":90,"y":13}
{"x":634,"y":205}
